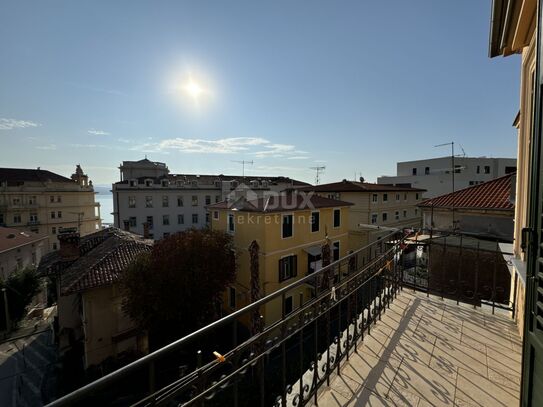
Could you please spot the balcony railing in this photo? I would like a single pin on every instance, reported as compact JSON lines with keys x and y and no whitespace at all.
{"x":259,"y":362}
{"x":241,"y":361}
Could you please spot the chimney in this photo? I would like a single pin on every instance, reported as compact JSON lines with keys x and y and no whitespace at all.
{"x":146,"y":230}
{"x":126,"y":225}
{"x":69,"y":244}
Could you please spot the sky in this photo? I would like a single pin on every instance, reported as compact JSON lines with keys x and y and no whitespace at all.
{"x":354,"y":86}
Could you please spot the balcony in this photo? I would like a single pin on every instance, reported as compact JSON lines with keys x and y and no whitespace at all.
{"x":33,"y":223}
{"x":390,"y":324}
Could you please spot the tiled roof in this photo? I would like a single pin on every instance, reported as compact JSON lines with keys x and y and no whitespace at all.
{"x":495,"y":194}
{"x":18,"y":175}
{"x":355,"y":186}
{"x":281,"y":203}
{"x":104,"y":256}
{"x":12,"y":238}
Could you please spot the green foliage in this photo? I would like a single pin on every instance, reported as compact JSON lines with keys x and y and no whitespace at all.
{"x":178,"y":287}
{"x":21,"y":286}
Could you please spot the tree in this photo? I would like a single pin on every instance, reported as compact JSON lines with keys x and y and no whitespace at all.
{"x":178,"y":287}
{"x":21,"y":286}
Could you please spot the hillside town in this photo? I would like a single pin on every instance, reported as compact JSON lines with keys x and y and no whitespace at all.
{"x":146,"y":276}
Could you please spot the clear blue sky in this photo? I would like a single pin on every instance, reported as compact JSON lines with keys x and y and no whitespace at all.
{"x":352,"y":85}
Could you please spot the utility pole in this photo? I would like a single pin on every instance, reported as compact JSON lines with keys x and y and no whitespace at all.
{"x":79,"y":219}
{"x":318,"y":171}
{"x":453,"y":170}
{"x":6,"y":310}
{"x":243,"y":162}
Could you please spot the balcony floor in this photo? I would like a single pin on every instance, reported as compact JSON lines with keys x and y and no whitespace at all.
{"x":429,"y":352}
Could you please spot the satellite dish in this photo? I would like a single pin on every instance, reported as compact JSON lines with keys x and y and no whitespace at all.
{"x":361,"y":179}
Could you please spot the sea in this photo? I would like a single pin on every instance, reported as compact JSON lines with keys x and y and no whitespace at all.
{"x":105,"y":198}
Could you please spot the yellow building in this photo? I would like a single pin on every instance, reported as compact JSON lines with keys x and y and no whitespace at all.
{"x":290,"y":231}
{"x":43,"y":202}
{"x":376,"y":208}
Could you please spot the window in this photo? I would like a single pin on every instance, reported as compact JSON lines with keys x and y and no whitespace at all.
{"x":374,"y":198}
{"x":59,"y":199}
{"x":131,"y":201}
{"x":315,"y":221}
{"x":148,"y":201}
{"x":404,"y":213}
{"x":133,"y":183}
{"x":385,"y":197}
{"x":405,"y":197}
{"x":208,"y":199}
{"x":33,"y":217}
{"x":180,"y":219}
{"x":427,"y":171}
{"x":478,"y":169}
{"x":51,"y":199}
{"x":417,"y":196}
{"x":288,"y":267}
{"x":165,"y":201}
{"x":397,"y":215}
{"x":288,"y":305}
{"x":385,"y":216}
{"x":207,"y":217}
{"x":150,"y":222}
{"x":165,"y":183}
{"x":416,"y":211}
{"x":487,"y":169}
{"x":335,"y":251}
{"x":194,"y":200}
{"x":373,"y":218}
{"x":165,"y":234}
{"x":166,"y":219}
{"x":335,"y":195}
{"x":397,"y":197}
{"x":179,"y":201}
{"x":337,"y":218}
{"x":216,"y":215}
{"x":232,"y":297}
{"x":53,"y":215}
{"x":414,"y":171}
{"x":509,"y":170}
{"x":194,"y":218}
{"x":231,"y":224}
{"x":54,"y":246}
{"x":1,"y":219}
{"x":59,"y":214}
{"x":32,"y":199}
{"x":132,"y":221}
{"x":148,"y":182}
{"x":286,"y":229}
{"x":16,"y":201}
{"x":472,"y":182}
{"x":217,"y":198}
{"x":17,"y":218}
{"x":54,"y":230}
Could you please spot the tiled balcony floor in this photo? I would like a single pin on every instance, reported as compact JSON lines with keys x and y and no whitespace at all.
{"x":428,"y":352}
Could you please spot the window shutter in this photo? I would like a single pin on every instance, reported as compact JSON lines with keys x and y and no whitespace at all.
{"x":294,"y":265}
{"x":281,"y":269}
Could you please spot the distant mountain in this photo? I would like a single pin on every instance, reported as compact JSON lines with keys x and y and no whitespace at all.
{"x":103,"y":189}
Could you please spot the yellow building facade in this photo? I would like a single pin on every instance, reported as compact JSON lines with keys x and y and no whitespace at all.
{"x":290,"y":233}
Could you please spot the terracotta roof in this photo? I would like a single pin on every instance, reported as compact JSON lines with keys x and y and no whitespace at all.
{"x":15,"y":176}
{"x":13,"y":238}
{"x":355,"y":186}
{"x":104,"y":255}
{"x":281,"y":203}
{"x":494,"y":194}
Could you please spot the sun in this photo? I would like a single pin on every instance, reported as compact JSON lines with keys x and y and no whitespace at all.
{"x":193,"y":89}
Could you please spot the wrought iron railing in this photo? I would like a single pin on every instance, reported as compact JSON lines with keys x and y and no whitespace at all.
{"x":459,"y":266}
{"x":283,"y":362}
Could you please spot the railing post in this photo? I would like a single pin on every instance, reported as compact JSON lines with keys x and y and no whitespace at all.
{"x":301,"y":346}
{"x":151,"y":377}
{"x":236,"y":359}
{"x":458,"y":273}
{"x":494,"y":276}
{"x":476,"y":292}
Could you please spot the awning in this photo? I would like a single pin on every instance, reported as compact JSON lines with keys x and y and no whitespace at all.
{"x":313,"y":250}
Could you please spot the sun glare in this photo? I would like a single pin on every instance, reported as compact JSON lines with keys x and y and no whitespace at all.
{"x":193,"y":89}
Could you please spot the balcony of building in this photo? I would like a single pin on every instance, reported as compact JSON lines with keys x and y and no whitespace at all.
{"x":408,"y":320}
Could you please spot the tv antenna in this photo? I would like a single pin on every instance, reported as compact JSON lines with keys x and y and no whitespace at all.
{"x":79,"y":219}
{"x":453,"y":170}
{"x":318,"y":171}
{"x":243,"y":162}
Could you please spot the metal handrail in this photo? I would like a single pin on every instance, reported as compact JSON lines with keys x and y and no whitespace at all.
{"x":147,"y":360}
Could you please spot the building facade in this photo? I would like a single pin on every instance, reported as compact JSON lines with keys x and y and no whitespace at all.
{"x":19,"y":250}
{"x":376,"y":209}
{"x":290,"y":231}
{"x":89,"y":305}
{"x":484,"y":210}
{"x":148,"y":194}
{"x":43,"y":202}
{"x":435,"y":175}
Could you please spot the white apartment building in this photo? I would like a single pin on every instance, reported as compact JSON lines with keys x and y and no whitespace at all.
{"x":148,"y":196}
{"x":19,"y":250}
{"x":43,"y":202}
{"x":435,"y":174}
